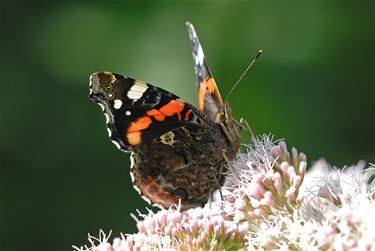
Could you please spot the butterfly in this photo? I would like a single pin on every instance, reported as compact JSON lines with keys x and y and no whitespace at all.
{"x":179,"y":152}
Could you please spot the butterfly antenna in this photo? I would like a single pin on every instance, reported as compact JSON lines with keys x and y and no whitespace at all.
{"x":243,"y":74}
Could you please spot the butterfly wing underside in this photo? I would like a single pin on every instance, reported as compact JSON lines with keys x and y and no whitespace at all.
{"x":209,"y":98}
{"x":137,"y":112}
{"x":174,"y":146}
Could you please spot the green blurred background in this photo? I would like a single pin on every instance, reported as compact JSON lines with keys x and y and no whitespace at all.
{"x":61,"y":177}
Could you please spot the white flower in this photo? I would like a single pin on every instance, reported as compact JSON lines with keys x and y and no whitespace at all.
{"x":270,"y":203}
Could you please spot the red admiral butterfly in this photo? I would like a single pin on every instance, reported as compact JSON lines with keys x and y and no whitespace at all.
{"x":177,"y":149}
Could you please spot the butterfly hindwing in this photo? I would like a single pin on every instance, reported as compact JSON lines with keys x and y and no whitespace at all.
{"x":138,"y":112}
{"x":209,"y":98}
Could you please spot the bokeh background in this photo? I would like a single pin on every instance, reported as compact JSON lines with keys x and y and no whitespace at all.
{"x":61,"y":177}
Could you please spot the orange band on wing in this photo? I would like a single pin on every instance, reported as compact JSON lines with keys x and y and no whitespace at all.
{"x":156,"y":114}
{"x":155,"y":193}
{"x":135,"y":129}
{"x":134,"y":138}
{"x":140,"y":124}
{"x":208,"y":86}
{"x":172,"y":108}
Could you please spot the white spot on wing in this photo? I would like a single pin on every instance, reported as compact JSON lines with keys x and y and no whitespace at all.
{"x":147,"y":199}
{"x":132,"y":164}
{"x":91,"y":79}
{"x":117,"y":103}
{"x":137,"y":90}
{"x":200,"y":55}
{"x":109,"y":132}
{"x":116,"y":144}
{"x":128,"y":113}
{"x":106,"y":118}
{"x":101,"y":106}
{"x":139,"y":87}
{"x":134,"y":95}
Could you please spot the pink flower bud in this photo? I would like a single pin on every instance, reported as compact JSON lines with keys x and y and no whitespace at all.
{"x":300,"y":199}
{"x":283,"y":147}
{"x":291,"y":173}
{"x":276,"y":152}
{"x":268,"y":199}
{"x":290,"y":194}
{"x":104,"y":247}
{"x":229,"y":199}
{"x":202,"y":237}
{"x":174,"y":217}
{"x":217,"y":230}
{"x":117,"y":242}
{"x":268,"y":194}
{"x":297,"y":181}
{"x":284,"y":167}
{"x":259,"y":212}
{"x":278,"y":183}
{"x":162,"y":218}
{"x":243,"y":227}
{"x":294,"y":155}
{"x":302,"y":168}
{"x":141,"y":227}
{"x":232,"y":236}
{"x":168,"y":230}
{"x":193,"y":227}
{"x":175,"y":231}
{"x":259,"y":177}
{"x":256,"y":190}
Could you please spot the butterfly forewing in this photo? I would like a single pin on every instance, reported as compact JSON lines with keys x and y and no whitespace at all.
{"x":132,"y":106}
{"x":209,"y":98}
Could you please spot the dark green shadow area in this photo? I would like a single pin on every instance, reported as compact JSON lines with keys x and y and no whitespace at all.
{"x":61,"y":177}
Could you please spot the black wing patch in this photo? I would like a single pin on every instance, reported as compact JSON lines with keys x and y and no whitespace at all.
{"x":137,"y":112}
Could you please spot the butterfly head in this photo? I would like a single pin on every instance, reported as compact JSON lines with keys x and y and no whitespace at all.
{"x":230,"y":128}
{"x":225,"y":114}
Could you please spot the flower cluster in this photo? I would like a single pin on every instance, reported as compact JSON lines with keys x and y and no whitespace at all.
{"x":269,"y":202}
{"x":337,"y":214}
{"x":265,"y":179}
{"x":195,"y":229}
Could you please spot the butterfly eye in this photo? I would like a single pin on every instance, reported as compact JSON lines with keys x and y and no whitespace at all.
{"x":220,"y":117}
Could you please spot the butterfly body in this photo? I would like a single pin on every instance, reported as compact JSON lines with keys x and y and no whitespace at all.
{"x":177,"y":149}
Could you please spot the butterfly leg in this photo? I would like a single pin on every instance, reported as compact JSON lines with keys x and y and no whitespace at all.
{"x":210,"y":198}
{"x":218,"y":185}
{"x":230,"y":165}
